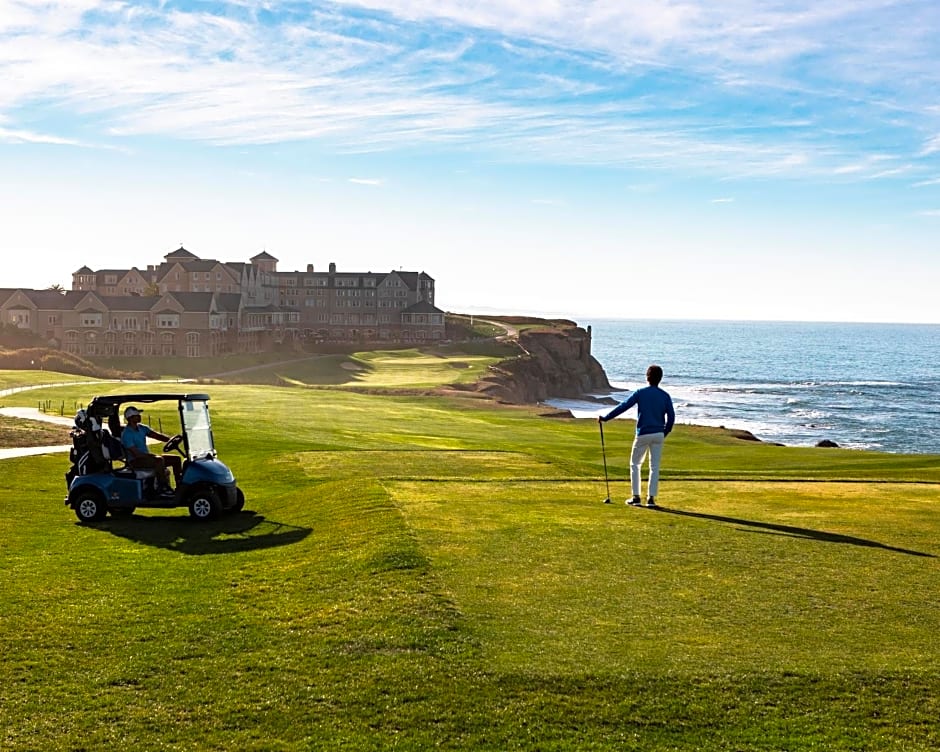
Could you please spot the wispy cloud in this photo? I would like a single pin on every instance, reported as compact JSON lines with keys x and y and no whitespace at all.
{"x":722,"y":200}
{"x":742,"y":88}
{"x":931,"y":146}
{"x":367,"y":181}
{"x":28,"y":137}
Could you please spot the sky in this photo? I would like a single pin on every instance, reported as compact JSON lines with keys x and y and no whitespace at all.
{"x":680,"y":159}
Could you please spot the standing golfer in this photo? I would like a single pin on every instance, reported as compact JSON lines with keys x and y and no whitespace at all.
{"x":655,"y":419}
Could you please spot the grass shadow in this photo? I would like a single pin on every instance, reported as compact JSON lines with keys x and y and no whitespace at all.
{"x":246,"y":531}
{"x":798,"y":532}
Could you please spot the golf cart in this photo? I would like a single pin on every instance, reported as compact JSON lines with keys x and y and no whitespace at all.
{"x":100,"y":480}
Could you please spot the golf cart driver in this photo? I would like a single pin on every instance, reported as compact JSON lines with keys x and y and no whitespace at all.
{"x":134,"y":439}
{"x":101,"y":480}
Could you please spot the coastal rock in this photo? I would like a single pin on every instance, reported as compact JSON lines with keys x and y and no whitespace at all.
{"x":555,"y":362}
{"x":827,"y":443}
{"x":740,"y":433}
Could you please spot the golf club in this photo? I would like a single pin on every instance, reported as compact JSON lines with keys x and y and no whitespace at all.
{"x":600,"y":424}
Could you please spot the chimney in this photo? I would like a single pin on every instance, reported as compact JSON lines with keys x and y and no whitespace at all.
{"x":309,"y":268}
{"x":332,"y":268}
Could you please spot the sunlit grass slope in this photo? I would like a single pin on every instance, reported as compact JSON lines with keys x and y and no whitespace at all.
{"x":420,"y":573}
{"x":387,"y":369}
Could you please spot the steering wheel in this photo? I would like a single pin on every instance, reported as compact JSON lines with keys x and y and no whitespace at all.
{"x":173,"y":443}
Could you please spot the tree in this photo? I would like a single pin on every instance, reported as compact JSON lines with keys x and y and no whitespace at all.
{"x":57,"y":287}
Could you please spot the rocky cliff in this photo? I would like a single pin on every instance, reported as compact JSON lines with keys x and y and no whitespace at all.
{"x":552,"y":362}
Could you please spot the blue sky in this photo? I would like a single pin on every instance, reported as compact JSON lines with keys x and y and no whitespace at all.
{"x":599,"y":158}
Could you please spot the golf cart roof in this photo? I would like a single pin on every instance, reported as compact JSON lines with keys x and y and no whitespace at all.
{"x":120,"y":399}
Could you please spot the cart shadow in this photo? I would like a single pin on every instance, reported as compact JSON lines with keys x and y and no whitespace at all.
{"x":245,"y":531}
{"x":798,"y":532}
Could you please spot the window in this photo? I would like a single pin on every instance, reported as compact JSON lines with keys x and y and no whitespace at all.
{"x":91,"y":319}
{"x":168,"y":320}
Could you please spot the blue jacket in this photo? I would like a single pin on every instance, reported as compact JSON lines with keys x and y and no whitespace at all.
{"x":655,"y":413}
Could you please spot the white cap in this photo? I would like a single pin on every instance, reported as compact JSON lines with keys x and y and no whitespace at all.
{"x":132,"y":411}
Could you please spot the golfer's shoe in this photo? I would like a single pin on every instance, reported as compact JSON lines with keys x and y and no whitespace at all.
{"x":651,"y":503}
{"x":634,"y":502}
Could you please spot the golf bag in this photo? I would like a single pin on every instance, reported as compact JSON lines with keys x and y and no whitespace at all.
{"x":93,"y":448}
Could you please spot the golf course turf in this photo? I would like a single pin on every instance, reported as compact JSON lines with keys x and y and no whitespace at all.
{"x":440,"y":573}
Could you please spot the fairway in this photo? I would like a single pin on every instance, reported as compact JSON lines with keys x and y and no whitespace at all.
{"x":418,"y":572}
{"x":722,"y":578}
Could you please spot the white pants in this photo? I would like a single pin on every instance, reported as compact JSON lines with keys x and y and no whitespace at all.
{"x":652,"y":444}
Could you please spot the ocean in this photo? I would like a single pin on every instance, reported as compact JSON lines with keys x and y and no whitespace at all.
{"x":863,"y":386}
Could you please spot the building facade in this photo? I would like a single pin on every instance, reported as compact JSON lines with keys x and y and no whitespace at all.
{"x":193,"y":307}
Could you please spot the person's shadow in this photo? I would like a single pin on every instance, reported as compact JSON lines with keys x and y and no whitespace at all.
{"x":230,"y":533}
{"x":797,"y":532}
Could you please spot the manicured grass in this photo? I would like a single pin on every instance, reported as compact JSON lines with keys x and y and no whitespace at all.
{"x":388,"y":369}
{"x":10,"y":379}
{"x":421,"y":572}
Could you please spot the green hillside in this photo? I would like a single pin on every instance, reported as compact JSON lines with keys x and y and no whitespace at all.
{"x":424,"y":572}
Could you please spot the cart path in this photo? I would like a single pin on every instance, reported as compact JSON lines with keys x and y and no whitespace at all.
{"x":34,"y":413}
{"x":13,"y":452}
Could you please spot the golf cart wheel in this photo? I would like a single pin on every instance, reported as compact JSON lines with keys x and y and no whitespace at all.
{"x":239,"y":501}
{"x":89,"y":506}
{"x":204,"y":504}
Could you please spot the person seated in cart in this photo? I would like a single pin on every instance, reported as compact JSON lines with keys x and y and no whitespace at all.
{"x":134,"y":439}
